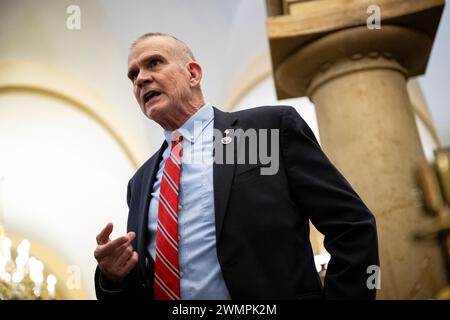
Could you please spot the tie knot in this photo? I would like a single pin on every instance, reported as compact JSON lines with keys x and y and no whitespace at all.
{"x":177,"y":137}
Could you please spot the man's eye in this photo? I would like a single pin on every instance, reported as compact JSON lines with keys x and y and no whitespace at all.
{"x":133,"y":76}
{"x":154,"y":62}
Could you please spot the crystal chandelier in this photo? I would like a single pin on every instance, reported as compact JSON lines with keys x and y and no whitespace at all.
{"x":21,"y":276}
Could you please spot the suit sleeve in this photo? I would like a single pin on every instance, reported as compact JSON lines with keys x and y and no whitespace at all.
{"x":333,"y":207}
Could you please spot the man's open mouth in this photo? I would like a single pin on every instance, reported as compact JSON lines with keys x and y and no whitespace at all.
{"x":150,"y":95}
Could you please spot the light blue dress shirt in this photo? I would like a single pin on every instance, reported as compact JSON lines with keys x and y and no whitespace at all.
{"x":201,"y":276}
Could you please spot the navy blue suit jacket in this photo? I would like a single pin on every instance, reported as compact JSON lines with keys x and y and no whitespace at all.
{"x":262,"y":221}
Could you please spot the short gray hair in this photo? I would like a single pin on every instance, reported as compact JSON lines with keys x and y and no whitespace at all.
{"x":181,"y":45}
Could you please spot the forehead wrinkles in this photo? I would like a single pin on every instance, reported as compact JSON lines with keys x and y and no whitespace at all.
{"x":140,"y":53}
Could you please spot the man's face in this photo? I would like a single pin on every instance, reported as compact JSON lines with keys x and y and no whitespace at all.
{"x":160,"y":79}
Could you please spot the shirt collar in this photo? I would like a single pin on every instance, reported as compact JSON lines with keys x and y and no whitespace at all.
{"x":194,"y":126}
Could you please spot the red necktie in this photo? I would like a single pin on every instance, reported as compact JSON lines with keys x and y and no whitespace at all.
{"x":167,"y":270}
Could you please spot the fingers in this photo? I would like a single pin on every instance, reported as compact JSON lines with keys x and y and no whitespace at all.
{"x":111,"y":247}
{"x":125,"y":251}
{"x":130,"y":264}
{"x":103,"y":236}
{"x":131,"y":235}
{"x":120,"y":272}
{"x":114,"y":247}
{"x":126,"y":254}
{"x":119,"y":268}
{"x":115,"y":258}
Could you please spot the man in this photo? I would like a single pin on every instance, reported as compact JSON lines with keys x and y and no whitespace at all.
{"x":227,"y":229}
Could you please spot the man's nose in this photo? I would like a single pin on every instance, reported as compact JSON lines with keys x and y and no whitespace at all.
{"x":143,"y":77}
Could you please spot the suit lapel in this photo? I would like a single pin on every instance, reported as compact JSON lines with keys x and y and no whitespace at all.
{"x":222,"y":173}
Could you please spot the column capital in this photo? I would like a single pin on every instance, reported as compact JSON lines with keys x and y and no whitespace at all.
{"x":340,"y":28}
{"x":351,"y":50}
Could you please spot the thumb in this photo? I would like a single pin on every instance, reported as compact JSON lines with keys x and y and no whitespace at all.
{"x":131,"y":235}
{"x":103,"y":236}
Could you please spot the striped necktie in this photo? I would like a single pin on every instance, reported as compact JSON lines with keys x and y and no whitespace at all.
{"x":167,"y":270}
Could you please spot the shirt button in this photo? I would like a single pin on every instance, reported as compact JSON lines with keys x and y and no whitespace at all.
{"x":179,"y":207}
{"x":181,"y":274}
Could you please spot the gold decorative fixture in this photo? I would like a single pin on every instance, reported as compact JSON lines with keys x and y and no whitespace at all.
{"x":21,"y":276}
{"x":434,"y":181}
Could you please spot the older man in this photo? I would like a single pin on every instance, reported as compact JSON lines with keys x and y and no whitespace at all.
{"x":220,"y":229}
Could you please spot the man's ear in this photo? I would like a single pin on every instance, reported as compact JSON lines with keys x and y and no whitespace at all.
{"x":195,"y":72}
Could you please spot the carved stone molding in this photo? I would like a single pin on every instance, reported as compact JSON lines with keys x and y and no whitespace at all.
{"x":343,"y":67}
{"x":291,"y":31}
{"x":366,"y":48}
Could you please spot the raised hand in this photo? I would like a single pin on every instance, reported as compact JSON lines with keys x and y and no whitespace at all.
{"x":115,"y":258}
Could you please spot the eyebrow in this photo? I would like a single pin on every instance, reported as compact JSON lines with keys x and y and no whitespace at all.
{"x":144,"y":60}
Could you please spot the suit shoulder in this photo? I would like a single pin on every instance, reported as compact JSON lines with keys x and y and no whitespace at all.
{"x":262,"y":111}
